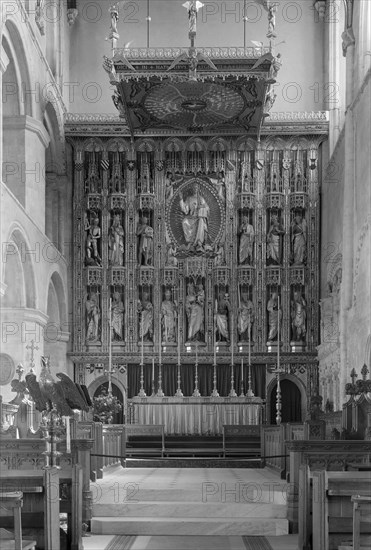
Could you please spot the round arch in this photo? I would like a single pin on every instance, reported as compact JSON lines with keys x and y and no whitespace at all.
{"x":55,"y":280}
{"x":97,"y":382}
{"x":16,"y":47}
{"x":19,"y":247}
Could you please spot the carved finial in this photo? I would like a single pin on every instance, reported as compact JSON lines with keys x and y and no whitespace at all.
{"x":364,"y":371}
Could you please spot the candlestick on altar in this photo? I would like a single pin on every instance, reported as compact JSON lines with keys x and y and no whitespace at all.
{"x":142,"y":393}
{"x":250,"y":393}
{"x":232,"y":393}
{"x":153,"y":377}
{"x":278,"y":370}
{"x":232,"y":342}
{"x":242,"y":394}
{"x":215,"y":392}
{"x":160,"y":343}
{"x":160,"y":393}
{"x":178,"y":343}
{"x":110,"y":349}
{"x":196,"y":392}
{"x":178,"y":392}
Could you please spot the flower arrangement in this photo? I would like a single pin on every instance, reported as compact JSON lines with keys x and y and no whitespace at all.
{"x":106,"y":406}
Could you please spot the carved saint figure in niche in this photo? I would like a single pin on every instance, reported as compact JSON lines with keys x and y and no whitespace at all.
{"x":116,"y":242}
{"x":195,"y":302}
{"x":274,"y":316}
{"x":246,"y":241}
{"x":145,"y":234}
{"x":219,"y":184}
{"x":275,"y":241}
{"x":145,"y":310}
{"x":169,"y":317}
{"x":245,"y":317}
{"x":118,"y":311}
{"x":170,"y":182}
{"x":93,"y":235}
{"x":195,"y":221}
{"x":92,"y":317}
{"x":298,"y":240}
{"x":219,"y":255}
{"x":222,"y":310}
{"x":298,"y":317}
{"x":171,"y":260}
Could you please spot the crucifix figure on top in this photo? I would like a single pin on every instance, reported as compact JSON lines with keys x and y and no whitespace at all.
{"x":192,"y":6}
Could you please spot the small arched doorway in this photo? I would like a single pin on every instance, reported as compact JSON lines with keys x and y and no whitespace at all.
{"x":118,"y":418}
{"x":291,"y":402}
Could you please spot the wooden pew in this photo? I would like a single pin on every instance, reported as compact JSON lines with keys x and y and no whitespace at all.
{"x":28,"y":455}
{"x":9,"y":541}
{"x":319,"y":455}
{"x":332,"y":506}
{"x":46,"y":494}
{"x":153,"y":437}
{"x":242,"y":440}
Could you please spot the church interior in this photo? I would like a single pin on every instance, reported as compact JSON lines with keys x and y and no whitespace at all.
{"x":185,"y":277}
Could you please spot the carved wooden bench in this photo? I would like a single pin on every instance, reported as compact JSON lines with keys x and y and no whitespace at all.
{"x":46,"y":494}
{"x":13,"y":501}
{"x":332,"y":507}
{"x":242,"y":440}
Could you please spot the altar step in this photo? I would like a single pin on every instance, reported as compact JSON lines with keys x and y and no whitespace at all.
{"x":200,"y":526}
{"x":193,"y":462}
{"x":199,"y":502}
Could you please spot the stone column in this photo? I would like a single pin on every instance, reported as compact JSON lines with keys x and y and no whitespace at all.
{"x":4,"y":60}
{"x":348,"y":207}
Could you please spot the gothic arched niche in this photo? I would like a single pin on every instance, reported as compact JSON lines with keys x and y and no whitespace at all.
{"x":291,"y":402}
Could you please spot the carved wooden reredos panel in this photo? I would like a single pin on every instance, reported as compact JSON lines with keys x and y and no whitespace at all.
{"x":204,"y":234}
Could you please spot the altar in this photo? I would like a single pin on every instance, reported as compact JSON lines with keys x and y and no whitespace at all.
{"x":195,"y":415}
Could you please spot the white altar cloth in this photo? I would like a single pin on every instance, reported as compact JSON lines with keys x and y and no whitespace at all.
{"x":196,"y":415}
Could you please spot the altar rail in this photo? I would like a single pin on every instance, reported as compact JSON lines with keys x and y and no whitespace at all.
{"x":320,"y":455}
{"x":112,"y":443}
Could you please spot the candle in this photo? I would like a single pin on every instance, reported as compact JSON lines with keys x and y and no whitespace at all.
{"x":153,"y":368}
{"x":196,"y":353}
{"x":142,"y":329}
{"x":159,"y":343}
{"x":249,"y":345}
{"x":68,"y":434}
{"x":241,"y":370}
{"x":232,"y":338}
{"x":214,"y":353}
{"x":278,"y":331}
{"x":178,"y":343}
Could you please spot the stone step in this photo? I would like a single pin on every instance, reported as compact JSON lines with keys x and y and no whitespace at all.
{"x":240,"y":493}
{"x":200,"y":526}
{"x":189,"y":509}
